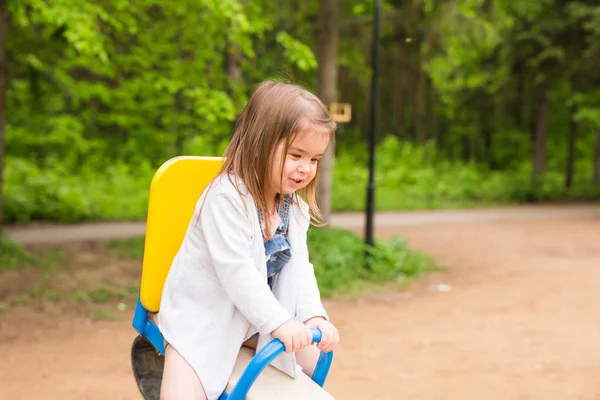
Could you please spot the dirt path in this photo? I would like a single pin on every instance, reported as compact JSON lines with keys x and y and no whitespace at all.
{"x":40,"y":234}
{"x":520,"y":322}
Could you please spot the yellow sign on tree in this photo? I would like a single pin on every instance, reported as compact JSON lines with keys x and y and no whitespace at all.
{"x":340,"y":112}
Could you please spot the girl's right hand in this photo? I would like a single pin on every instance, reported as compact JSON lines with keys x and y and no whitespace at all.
{"x":294,"y":335}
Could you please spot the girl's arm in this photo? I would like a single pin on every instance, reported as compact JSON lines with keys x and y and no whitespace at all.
{"x":309,"y":308}
{"x":308,"y":301}
{"x":228,"y":236}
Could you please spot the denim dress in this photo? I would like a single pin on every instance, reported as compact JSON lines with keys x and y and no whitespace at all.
{"x":277,"y":248}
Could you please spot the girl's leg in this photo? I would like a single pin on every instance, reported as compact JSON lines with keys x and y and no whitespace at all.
{"x":307,"y":358}
{"x":179,"y":381}
{"x":252,"y":342}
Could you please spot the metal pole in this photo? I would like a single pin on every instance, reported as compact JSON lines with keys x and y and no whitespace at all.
{"x":373,"y":124}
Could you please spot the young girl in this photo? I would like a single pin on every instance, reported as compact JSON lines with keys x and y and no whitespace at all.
{"x":242,"y":273}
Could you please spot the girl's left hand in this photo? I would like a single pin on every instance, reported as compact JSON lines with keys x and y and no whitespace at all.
{"x":329,"y":333}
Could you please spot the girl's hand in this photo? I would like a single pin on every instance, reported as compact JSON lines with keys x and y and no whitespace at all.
{"x":330,"y":336}
{"x":294,"y":335}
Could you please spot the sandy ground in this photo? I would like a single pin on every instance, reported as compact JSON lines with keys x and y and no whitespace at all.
{"x":515,"y":317}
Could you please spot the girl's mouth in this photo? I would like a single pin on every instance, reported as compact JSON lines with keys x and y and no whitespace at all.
{"x":296,"y":182}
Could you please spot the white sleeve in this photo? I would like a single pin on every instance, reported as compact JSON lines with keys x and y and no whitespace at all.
{"x":228,"y":234}
{"x":308,"y":301}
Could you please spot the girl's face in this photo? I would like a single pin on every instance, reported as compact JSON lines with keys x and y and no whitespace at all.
{"x":300,"y":165}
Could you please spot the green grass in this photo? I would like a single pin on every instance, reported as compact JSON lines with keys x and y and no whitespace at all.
{"x":344,"y":264}
{"x":24,"y":299}
{"x":105,"y":301}
{"x":105,"y":314}
{"x":14,"y":256}
{"x":127,"y":249}
{"x":49,"y":263}
{"x":103,"y":293}
{"x":339,"y":259}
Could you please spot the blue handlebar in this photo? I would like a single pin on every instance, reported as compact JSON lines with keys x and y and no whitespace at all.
{"x":316,"y":335}
{"x":268,"y":354}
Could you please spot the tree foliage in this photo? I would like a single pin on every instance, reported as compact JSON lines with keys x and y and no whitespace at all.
{"x":102,"y":87}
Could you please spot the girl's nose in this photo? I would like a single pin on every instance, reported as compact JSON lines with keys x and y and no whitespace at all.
{"x":302,"y":168}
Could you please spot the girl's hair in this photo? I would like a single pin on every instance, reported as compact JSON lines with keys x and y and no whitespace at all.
{"x":276,"y":113}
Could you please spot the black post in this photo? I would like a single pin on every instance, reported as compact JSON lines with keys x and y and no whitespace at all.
{"x":373,"y":125}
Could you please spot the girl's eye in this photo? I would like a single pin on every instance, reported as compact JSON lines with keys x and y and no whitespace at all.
{"x":295,"y":155}
{"x":315,"y":160}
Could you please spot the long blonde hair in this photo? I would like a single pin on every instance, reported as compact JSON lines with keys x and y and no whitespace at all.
{"x":276,"y":112}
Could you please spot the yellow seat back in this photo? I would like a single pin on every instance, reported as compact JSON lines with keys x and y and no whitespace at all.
{"x":174,"y":193}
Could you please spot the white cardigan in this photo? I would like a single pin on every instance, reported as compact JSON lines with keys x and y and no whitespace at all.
{"x":216,"y":294}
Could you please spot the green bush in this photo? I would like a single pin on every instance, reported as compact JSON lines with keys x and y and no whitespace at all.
{"x":343,"y":262}
{"x":339,"y":259}
{"x":406,"y":179}
{"x":117,"y":191}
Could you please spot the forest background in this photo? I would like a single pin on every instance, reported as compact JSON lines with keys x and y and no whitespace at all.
{"x":480,"y":102}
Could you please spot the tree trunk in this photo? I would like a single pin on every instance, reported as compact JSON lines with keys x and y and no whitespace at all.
{"x":487,"y":130}
{"x":178,"y":131}
{"x":328,"y":55}
{"x":541,"y":130}
{"x":597,"y":159}
{"x":233,"y":67}
{"x":571,"y":149}
{"x":233,"y":62}
{"x":420,"y":120}
{"x":443,"y":143}
{"x":432,"y":114}
{"x":465,"y":145}
{"x":519,"y":109}
{"x":399,"y":92}
{"x":3,"y":89}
